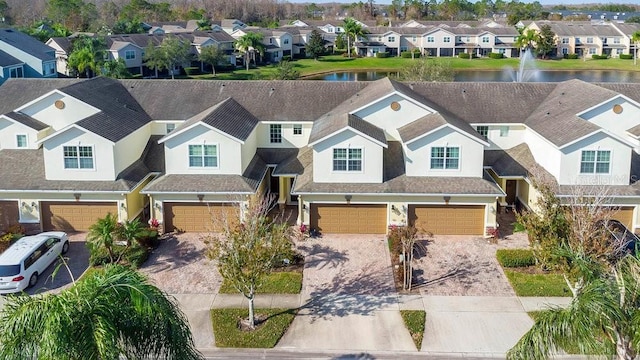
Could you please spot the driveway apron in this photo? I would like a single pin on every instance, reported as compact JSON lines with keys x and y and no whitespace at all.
{"x":349,"y":301}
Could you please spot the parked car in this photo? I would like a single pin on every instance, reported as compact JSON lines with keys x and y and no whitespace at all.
{"x":621,"y":234}
{"x":28,"y":258}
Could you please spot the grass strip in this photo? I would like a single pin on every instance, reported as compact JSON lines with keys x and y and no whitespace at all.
{"x":414,"y":321}
{"x":266,"y":335}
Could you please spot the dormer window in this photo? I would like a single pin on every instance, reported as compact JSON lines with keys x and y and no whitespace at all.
{"x":21,"y":141}
{"x":78,"y":157}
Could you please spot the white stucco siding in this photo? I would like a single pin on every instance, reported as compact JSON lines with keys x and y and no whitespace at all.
{"x":249,"y":148}
{"x":545,"y":154}
{"x":470,"y":161}
{"x":102,"y":150}
{"x":130,"y":148}
{"x":381,"y":115}
{"x":514,"y":136}
{"x":619,"y":167}
{"x":371,"y":159}
{"x":289,"y":140}
{"x":176,"y":152}
{"x":159,"y":127}
{"x":618,"y":124}
{"x":9,"y":131}
{"x":45,"y":110}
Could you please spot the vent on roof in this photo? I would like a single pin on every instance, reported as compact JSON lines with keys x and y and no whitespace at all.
{"x":271,"y":91}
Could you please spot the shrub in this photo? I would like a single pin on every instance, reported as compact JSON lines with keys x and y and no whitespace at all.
{"x":626,"y":56}
{"x":570,"y":56}
{"x":383,"y":54}
{"x":148,"y":238}
{"x":134,"y":255}
{"x":465,"y":55}
{"x":599,"y":57}
{"x":493,"y":55}
{"x":286,"y":58}
{"x":515,"y":257}
{"x":192,"y":70}
{"x":408,"y":54}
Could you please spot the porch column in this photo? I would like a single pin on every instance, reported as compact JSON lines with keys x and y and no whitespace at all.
{"x":300,"y":218}
{"x":282,"y":191}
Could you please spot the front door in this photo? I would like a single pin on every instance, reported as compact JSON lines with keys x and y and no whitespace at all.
{"x":511,"y":192}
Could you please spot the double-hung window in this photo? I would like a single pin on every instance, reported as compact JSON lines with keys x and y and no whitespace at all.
{"x":444,"y":157}
{"x":485,"y":39}
{"x":297,"y":129}
{"x":129,"y":54}
{"x":275,"y":133}
{"x":391,"y":39}
{"x":21,"y":140}
{"x":347,"y":159}
{"x":483,"y":131}
{"x":203,"y":156}
{"x":78,"y":157}
{"x":595,"y":162}
{"x":431,"y":39}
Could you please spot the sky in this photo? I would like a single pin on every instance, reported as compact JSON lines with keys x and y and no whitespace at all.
{"x":543,"y":2}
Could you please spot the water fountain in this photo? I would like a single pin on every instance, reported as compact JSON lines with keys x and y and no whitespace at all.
{"x":527,"y":70}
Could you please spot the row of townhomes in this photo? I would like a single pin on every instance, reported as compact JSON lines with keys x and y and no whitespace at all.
{"x":352,"y":157}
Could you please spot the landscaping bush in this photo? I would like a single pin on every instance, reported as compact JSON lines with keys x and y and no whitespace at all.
{"x":599,"y":57}
{"x":192,"y":70}
{"x":382,"y":55}
{"x":570,"y":56}
{"x":493,"y":55}
{"x":465,"y":55}
{"x":134,"y":255}
{"x":515,"y":257}
{"x":408,"y":54}
{"x":148,"y":238}
{"x":286,"y":58}
{"x":626,"y":56}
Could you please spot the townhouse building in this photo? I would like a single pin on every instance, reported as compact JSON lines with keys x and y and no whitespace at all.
{"x":24,"y":56}
{"x":360,"y":157}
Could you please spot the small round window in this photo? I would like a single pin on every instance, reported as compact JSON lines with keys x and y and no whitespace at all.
{"x":395,"y":106}
{"x":617,"y":108}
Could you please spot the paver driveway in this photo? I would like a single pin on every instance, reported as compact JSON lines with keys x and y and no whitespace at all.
{"x":350,"y":297}
{"x":462,"y":265}
{"x":179,"y":266}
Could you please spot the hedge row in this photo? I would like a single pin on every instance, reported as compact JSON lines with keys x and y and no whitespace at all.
{"x":515,"y":257}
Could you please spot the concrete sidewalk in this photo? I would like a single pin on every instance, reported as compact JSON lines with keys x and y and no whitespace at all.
{"x":473,"y":325}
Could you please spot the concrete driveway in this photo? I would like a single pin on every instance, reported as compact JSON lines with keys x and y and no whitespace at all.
{"x":349,"y":297}
{"x":77,"y":259}
{"x":179,"y":266}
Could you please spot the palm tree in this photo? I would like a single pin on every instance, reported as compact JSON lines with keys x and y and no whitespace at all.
{"x":130,"y":231}
{"x":635,"y":38}
{"x":605,"y":313}
{"x":527,"y":39}
{"x":354,"y":30}
{"x":248,"y":44}
{"x":103,"y":233}
{"x":109,"y":313}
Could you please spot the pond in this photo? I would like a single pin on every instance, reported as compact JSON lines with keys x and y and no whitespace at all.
{"x":500,"y":76}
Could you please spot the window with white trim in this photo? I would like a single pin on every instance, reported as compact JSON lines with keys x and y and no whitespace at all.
{"x":446,"y":39}
{"x":595,"y":161}
{"x":203,"y":156}
{"x":485,"y":39}
{"x":78,"y":157}
{"x":391,"y":39}
{"x":170,"y":127}
{"x":275,"y":133}
{"x":285,"y":41}
{"x":49,"y":68}
{"x":592,"y":50}
{"x":430,"y":39}
{"x":589,"y":40}
{"x":129,"y":54}
{"x":297,"y":129}
{"x":21,"y":140}
{"x":483,"y":131}
{"x":504,"y":131}
{"x":565,"y":40}
{"x":16,"y":73}
{"x":616,"y":40}
{"x":347,"y":159}
{"x":565,"y":51}
{"x":444,"y":157}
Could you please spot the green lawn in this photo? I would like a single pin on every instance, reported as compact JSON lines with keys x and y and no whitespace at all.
{"x":414,"y":321}
{"x":525,"y":284}
{"x":333,"y":63}
{"x":266,"y":335}
{"x":285,"y":282}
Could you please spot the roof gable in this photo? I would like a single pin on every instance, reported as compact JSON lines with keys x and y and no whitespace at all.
{"x":331,"y":125}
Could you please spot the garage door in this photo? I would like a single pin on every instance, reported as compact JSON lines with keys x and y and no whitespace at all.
{"x":74,"y":216}
{"x":9,"y":214}
{"x":625,"y":216}
{"x":349,"y":219}
{"x":448,"y":219}
{"x":198,"y":217}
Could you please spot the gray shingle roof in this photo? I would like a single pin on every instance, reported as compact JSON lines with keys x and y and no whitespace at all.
{"x":516,"y":162}
{"x":120,"y":114}
{"x":27,"y":120}
{"x":27,"y":44}
{"x":329,"y":124}
{"x":8,"y":60}
{"x":23,"y":170}
{"x":397,"y":182}
{"x":17,"y":92}
{"x":229,"y":117}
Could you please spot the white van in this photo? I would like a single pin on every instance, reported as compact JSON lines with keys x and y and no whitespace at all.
{"x":24,"y":261}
